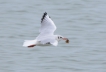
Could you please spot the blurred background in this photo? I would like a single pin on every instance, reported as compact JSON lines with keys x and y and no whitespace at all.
{"x":82,"y":21}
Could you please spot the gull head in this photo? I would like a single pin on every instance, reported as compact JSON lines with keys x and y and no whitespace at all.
{"x":59,"y":37}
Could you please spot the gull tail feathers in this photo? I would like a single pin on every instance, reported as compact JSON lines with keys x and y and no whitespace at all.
{"x":29,"y":42}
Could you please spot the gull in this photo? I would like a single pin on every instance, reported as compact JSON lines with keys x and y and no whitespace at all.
{"x":46,"y":36}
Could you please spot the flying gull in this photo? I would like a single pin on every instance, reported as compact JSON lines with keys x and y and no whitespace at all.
{"x":46,"y":36}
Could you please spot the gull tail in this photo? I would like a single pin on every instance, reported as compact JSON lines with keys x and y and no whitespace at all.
{"x":29,"y":43}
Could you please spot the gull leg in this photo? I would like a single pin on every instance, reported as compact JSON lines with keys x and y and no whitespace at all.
{"x":31,"y":46}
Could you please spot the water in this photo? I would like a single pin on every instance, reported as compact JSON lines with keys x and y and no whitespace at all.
{"x":82,"y":21}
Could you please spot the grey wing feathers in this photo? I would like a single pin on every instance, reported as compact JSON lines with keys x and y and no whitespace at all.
{"x":47,"y":25}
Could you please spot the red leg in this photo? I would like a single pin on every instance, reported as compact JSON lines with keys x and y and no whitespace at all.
{"x":31,"y":46}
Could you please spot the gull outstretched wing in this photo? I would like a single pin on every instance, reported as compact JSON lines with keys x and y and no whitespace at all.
{"x":47,"y":25}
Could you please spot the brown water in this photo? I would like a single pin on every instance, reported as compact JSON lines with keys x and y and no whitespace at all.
{"x":82,"y":21}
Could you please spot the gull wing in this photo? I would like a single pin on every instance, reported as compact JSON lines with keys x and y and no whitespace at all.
{"x":47,"y":25}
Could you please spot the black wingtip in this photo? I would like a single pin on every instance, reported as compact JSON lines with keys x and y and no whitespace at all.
{"x":45,"y":13}
{"x":43,"y":16}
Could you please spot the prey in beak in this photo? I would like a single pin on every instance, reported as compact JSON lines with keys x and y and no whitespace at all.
{"x":66,"y":40}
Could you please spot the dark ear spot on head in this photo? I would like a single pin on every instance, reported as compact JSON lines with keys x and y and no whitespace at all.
{"x":58,"y":37}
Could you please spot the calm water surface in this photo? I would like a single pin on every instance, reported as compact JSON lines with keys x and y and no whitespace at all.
{"x":82,"y":21}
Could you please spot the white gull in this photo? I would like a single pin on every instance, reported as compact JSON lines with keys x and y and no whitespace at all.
{"x":46,"y":36}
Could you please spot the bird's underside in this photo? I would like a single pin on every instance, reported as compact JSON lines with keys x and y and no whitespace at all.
{"x":47,"y":44}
